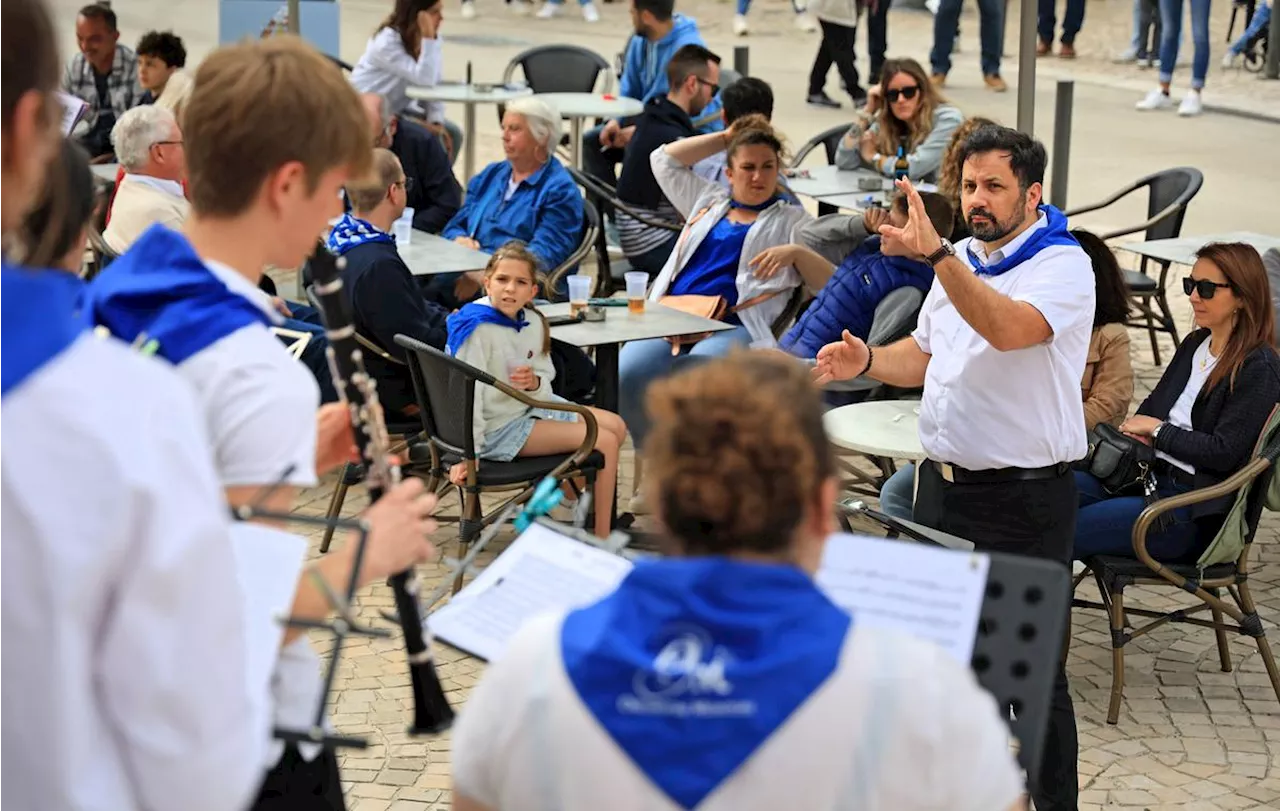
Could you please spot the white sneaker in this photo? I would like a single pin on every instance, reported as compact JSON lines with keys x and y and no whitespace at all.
{"x":1191,"y":104}
{"x":806,"y":23}
{"x":468,"y":10}
{"x":932,"y":6}
{"x":1229,"y":59}
{"x":1126,"y":57}
{"x":740,"y":25}
{"x":590,"y":13}
{"x":549,"y":11}
{"x":1155,"y":100}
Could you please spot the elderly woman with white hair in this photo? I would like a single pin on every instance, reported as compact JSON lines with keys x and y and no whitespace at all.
{"x":528,"y":197}
{"x":148,"y":143}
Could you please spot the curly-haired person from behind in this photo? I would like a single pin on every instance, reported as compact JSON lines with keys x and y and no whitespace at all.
{"x":721,"y":677}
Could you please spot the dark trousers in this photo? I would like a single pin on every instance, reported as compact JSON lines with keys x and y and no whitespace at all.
{"x":877,"y":37}
{"x":946,"y":24}
{"x":1071,"y":21}
{"x":1024,"y":518}
{"x":837,"y":47}
{"x":297,"y":785}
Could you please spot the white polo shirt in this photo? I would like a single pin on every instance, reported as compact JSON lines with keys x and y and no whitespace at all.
{"x":983,"y":408}
{"x":123,"y":622}
{"x":899,"y":726}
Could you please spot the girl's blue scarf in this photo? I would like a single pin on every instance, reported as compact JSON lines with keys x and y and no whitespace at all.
{"x":161,"y":290}
{"x":38,"y":320}
{"x":692,"y":664}
{"x":1054,"y":232}
{"x":756,"y":206}
{"x":351,"y":231}
{"x":470,"y":316}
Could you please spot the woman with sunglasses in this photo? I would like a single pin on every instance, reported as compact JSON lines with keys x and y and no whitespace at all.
{"x":1203,"y":417}
{"x":905,"y":116}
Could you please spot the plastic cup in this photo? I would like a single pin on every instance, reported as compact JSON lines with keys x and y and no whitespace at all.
{"x":579,"y":293}
{"x":403,"y":231}
{"x":514,"y":363}
{"x":637,"y":283}
{"x":407,"y":214}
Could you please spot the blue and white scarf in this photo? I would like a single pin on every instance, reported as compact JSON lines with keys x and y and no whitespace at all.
{"x":38,"y":320}
{"x":470,"y":316}
{"x":692,"y":664}
{"x":1054,"y":232}
{"x":351,"y":232}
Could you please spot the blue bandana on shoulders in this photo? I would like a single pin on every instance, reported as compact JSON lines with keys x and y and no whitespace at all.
{"x":351,"y":231}
{"x":38,"y":320}
{"x":693,"y":663}
{"x":161,"y":290}
{"x":1054,"y":232}
{"x":470,"y":316}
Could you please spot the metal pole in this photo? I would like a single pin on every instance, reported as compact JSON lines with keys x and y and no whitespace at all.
{"x":295,"y":24}
{"x":1027,"y":67}
{"x":1061,"y":143}
{"x":741,"y":59}
{"x":1273,"y":44}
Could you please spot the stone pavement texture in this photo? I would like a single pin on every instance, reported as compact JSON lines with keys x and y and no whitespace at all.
{"x":1190,"y":737}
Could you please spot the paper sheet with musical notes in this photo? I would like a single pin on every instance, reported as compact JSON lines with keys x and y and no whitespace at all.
{"x":925,"y":591}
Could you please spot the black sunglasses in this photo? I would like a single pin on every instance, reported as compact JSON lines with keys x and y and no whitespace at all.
{"x":715,"y":88}
{"x":1205,"y":288}
{"x":907,"y":93}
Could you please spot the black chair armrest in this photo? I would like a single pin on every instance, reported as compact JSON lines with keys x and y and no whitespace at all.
{"x":593,"y":430}
{"x":1160,"y":216}
{"x":1130,"y":189}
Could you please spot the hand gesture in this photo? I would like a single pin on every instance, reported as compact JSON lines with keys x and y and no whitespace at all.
{"x":874,"y":99}
{"x":771,"y":261}
{"x":427,"y":27}
{"x":610,"y":133}
{"x":335,"y":440}
{"x":919,"y":235}
{"x":399,"y":524}
{"x":842,"y":360}
{"x":873,"y":218}
{"x":523,"y":378}
{"x":458,"y":473}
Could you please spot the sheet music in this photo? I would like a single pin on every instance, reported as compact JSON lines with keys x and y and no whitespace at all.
{"x":268,"y":562}
{"x":541,"y":571}
{"x":73,"y":109}
{"x":924,"y":591}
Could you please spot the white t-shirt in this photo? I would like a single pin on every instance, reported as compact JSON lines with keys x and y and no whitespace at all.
{"x":984,"y":409}
{"x":898,"y":727}
{"x":123,"y":621}
{"x":387,"y":69}
{"x":1202,"y":363}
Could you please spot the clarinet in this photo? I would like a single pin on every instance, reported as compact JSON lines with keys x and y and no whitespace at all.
{"x":432,"y":713}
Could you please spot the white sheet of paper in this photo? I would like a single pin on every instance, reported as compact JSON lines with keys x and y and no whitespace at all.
{"x":73,"y":108}
{"x":268,"y":562}
{"x":541,"y":571}
{"x":925,"y":591}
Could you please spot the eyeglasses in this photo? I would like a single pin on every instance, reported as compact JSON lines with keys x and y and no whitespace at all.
{"x":715,"y":88}
{"x":907,"y":93}
{"x":1205,"y":288}
{"x":166,"y":143}
{"x":406,"y":184}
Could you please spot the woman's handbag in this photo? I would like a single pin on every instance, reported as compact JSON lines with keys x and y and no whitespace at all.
{"x":715,"y":308}
{"x":1121,"y":463}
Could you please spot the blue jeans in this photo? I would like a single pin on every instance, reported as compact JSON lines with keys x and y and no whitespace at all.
{"x":1104,"y":524}
{"x":898,"y":493}
{"x":1071,"y":21}
{"x":1146,"y":28}
{"x":1171,"y":18}
{"x":643,"y":362}
{"x":947,"y":22}
{"x":1261,"y":16}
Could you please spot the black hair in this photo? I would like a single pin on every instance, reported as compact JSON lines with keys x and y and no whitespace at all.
{"x":1112,"y":303}
{"x":66,"y":206}
{"x":1027,"y":156}
{"x":97,"y":11}
{"x":662,"y":10}
{"x":165,"y":46}
{"x":746,"y":96}
{"x":688,"y":60}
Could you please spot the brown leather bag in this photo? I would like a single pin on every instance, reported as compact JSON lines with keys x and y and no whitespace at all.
{"x":715,"y":308}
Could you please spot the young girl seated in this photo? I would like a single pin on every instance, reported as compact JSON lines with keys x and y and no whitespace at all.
{"x":497,"y":334}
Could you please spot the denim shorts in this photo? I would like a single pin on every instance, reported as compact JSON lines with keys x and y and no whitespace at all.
{"x":505,"y":443}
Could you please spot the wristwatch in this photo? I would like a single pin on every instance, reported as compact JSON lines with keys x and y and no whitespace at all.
{"x":944,"y":250}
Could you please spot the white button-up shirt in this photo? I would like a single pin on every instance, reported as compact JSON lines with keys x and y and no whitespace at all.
{"x":124,"y":629}
{"x":985,"y":409}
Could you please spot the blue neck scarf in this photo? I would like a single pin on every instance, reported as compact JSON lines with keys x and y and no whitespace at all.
{"x":161,"y":290}
{"x":693,"y":663}
{"x":464,"y":322}
{"x":351,"y":231}
{"x":754,"y":207}
{"x":38,"y":320}
{"x":1054,"y":232}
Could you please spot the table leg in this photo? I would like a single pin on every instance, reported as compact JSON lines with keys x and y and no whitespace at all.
{"x":575,"y":146}
{"x":469,"y":149}
{"x":607,"y":398}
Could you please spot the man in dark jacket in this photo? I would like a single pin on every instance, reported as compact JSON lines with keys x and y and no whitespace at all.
{"x":432,"y":191}
{"x":385,"y":301}
{"x":693,"y":75}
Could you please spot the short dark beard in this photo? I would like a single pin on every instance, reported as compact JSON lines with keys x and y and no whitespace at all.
{"x":991,"y":229}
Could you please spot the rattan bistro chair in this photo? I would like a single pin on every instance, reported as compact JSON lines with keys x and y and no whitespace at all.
{"x":1114,"y":573}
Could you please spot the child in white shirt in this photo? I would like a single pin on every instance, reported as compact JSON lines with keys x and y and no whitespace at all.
{"x":497,"y":334}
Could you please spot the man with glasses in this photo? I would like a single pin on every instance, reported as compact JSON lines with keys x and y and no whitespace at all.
{"x":148,"y":143}
{"x":431,"y":189}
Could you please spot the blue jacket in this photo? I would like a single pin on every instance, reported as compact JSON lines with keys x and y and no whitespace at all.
{"x":545,"y":212}
{"x":849,"y":298}
{"x":644,"y":68}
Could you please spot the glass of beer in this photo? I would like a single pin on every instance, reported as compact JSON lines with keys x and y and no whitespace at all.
{"x":637,"y":282}
{"x":579,"y":293}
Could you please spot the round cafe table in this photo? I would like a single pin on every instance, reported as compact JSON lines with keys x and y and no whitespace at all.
{"x":884,"y":430}
{"x":469,"y":95}
{"x":577,"y":106}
